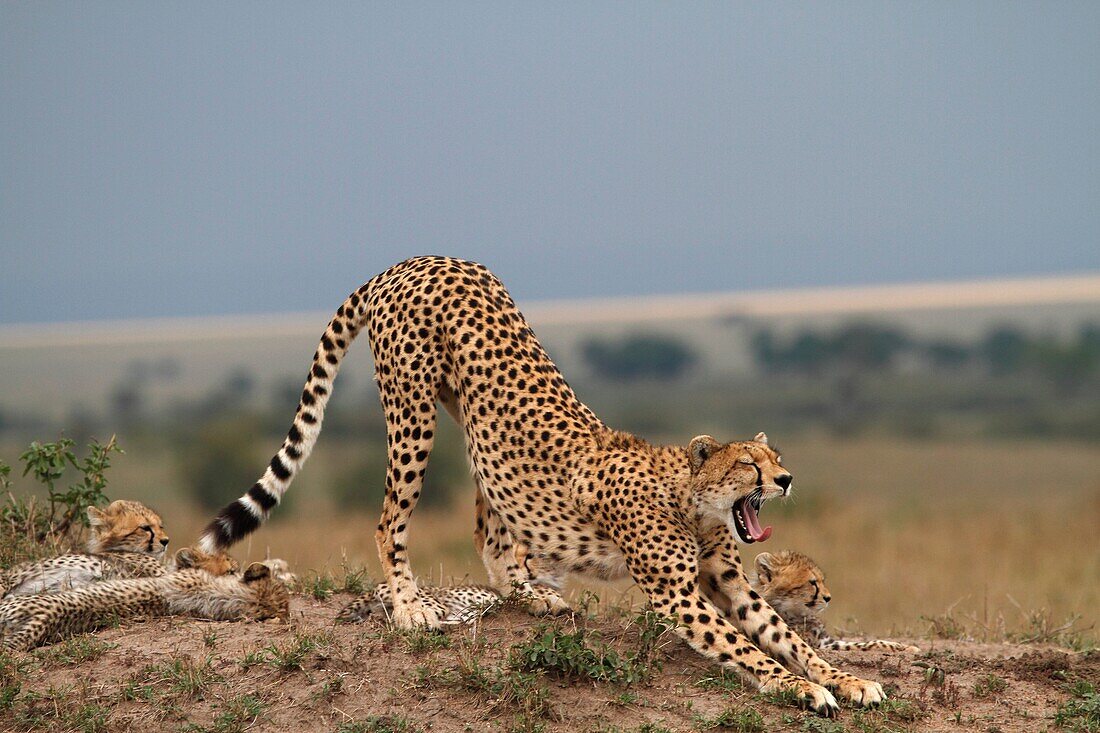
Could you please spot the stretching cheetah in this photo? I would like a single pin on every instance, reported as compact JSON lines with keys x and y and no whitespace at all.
{"x":579,"y":496}
{"x":794,"y":585}
{"x":126,"y":540}
{"x":195,"y":590}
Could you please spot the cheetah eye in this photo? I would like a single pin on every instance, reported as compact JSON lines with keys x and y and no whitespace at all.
{"x":145,"y":528}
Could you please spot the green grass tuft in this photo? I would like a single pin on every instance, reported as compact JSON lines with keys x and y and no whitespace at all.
{"x":742,"y":720}
{"x":74,"y":651}
{"x":1081,"y":713}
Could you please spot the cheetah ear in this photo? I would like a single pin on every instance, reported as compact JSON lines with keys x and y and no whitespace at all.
{"x":764,"y":566}
{"x":700,"y":449}
{"x":256,"y":571}
{"x":96,"y":518}
{"x":185,"y":558}
{"x":761,"y":438}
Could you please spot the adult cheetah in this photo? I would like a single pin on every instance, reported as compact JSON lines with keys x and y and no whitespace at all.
{"x":559,"y":492}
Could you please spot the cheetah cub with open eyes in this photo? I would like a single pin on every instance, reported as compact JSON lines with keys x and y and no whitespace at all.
{"x":794,"y":586}
{"x":580,"y":497}
{"x":126,"y":540}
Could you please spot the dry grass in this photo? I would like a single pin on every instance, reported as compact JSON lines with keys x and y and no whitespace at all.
{"x":986,"y":538}
{"x":1000,"y":536}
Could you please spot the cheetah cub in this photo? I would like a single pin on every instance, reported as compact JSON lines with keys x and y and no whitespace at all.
{"x":194,"y":590}
{"x":463,"y":604}
{"x":794,"y":586}
{"x":127,"y":540}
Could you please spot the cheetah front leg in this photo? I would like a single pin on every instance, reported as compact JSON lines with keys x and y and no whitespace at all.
{"x":508,"y":565}
{"x":721,"y":576}
{"x":664,"y":564}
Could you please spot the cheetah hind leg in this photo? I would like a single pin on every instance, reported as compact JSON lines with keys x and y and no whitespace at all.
{"x":510,"y":569}
{"x":410,"y":434}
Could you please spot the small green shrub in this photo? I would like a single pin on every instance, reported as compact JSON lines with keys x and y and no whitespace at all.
{"x":570,"y":656}
{"x":744,"y":720}
{"x":28,"y":529}
{"x":1081,"y":713}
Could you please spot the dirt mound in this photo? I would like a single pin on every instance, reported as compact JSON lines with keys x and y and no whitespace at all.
{"x":508,"y":672}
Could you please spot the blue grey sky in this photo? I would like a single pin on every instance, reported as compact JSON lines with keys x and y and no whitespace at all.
{"x":201,"y":157}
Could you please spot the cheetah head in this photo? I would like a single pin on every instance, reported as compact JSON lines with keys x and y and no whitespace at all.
{"x":732,"y":481}
{"x":269,"y":596}
{"x":217,"y":564}
{"x":792,"y":584}
{"x":126,"y":526}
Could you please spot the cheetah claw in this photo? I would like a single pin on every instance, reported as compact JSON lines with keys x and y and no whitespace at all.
{"x":809,"y":694}
{"x":544,"y":601}
{"x":860,"y":692}
{"x":417,"y":614}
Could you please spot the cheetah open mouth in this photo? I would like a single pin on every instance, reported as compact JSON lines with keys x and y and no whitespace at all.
{"x":746,"y":520}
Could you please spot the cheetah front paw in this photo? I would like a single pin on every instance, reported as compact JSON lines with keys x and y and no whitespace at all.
{"x":861,"y":692}
{"x":895,"y":646}
{"x":544,"y":601}
{"x":420,"y":613}
{"x":809,"y":694}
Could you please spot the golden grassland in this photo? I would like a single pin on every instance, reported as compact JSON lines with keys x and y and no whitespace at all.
{"x":979,"y":537}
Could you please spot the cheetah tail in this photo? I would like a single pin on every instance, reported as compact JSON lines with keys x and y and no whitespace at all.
{"x":244,"y":515}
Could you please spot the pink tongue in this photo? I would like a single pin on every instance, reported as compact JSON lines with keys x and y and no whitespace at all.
{"x":753,"y":523}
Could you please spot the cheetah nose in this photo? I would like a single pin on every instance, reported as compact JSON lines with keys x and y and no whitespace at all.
{"x":826,"y":598}
{"x":164,"y":542}
{"x":783,"y":481}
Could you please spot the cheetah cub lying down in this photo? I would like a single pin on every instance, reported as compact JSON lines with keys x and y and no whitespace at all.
{"x":463,"y":603}
{"x":194,"y":590}
{"x":791,"y":583}
{"x":127,"y":540}
{"x":794,"y":586}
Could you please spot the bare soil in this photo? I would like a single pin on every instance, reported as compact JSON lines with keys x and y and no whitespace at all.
{"x":314,"y":674}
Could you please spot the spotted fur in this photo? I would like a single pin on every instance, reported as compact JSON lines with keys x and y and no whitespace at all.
{"x":30,"y":621}
{"x":126,"y":540}
{"x":462,"y":604}
{"x":794,"y":586}
{"x":559,"y":492}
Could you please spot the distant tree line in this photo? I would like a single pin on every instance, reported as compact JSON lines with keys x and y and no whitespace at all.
{"x":639,"y":356}
{"x":1069,"y":363}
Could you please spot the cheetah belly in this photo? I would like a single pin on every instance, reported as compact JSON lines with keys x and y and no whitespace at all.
{"x":56,"y":580}
{"x":575,"y":546}
{"x":603,"y":561}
